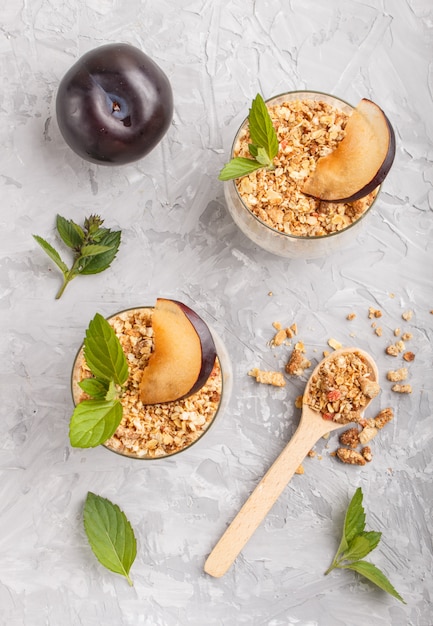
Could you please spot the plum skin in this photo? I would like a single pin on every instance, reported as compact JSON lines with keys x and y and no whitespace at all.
{"x":208,"y":349}
{"x":114,"y":105}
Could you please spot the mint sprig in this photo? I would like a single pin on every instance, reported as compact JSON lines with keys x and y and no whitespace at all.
{"x":110,"y":535}
{"x":264,"y":146}
{"x":356,"y":543}
{"x":95,"y":420}
{"x":94,"y":247}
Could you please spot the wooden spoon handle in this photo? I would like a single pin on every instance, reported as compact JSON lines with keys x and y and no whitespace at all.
{"x":261,"y":500}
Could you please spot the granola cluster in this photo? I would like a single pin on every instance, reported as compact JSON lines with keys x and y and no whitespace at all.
{"x":359,"y":436}
{"x":306,"y":131}
{"x":342,"y":388}
{"x":150,"y":431}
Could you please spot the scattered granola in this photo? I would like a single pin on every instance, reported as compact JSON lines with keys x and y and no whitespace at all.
{"x":300,"y":470}
{"x":297,"y":363}
{"x":408,"y":356}
{"x":279,"y":338}
{"x":395,"y":348}
{"x":367,"y":434}
{"x":306,"y":130}
{"x":372,"y":312}
{"x":351,"y":316}
{"x":397,"y":375}
{"x":366,"y":453}
{"x":342,"y":388}
{"x":350,"y":456}
{"x":383,"y":417}
{"x":402,"y":388}
{"x":406,"y":336}
{"x":161,"y":429}
{"x":350,"y":438}
{"x":333,"y":343}
{"x":407,"y":315}
{"x":268,"y":377}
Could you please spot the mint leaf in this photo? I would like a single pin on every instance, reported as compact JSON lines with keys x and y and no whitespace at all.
{"x":103,"y":352}
{"x":361,"y":545}
{"x":262,"y":131}
{"x":95,"y":388}
{"x":100,"y":262}
{"x":264,"y":146}
{"x":52,"y":253}
{"x":94,"y":247}
{"x":237,"y":167}
{"x":354,"y":522}
{"x":374,"y":575}
{"x":110,"y":535}
{"x":93,"y":422}
{"x":72,"y":234}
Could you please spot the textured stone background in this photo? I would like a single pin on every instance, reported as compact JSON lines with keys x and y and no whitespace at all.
{"x":179,"y":241}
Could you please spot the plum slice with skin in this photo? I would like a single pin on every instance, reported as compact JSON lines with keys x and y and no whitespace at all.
{"x":183,"y":357}
{"x":360,"y":162}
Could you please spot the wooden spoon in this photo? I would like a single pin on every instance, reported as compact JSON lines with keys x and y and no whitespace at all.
{"x":311,"y":427}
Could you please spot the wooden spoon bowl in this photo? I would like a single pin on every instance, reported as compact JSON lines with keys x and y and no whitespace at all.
{"x":311,"y":428}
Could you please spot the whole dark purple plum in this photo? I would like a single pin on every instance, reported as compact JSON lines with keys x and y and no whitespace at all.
{"x":114,"y":105}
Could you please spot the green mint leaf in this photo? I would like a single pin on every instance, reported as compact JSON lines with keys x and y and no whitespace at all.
{"x":237,"y":167}
{"x":253,"y":149}
{"x":103,"y":352}
{"x":71,"y":234}
{"x":374,"y":575}
{"x":110,"y":535}
{"x":112,"y":391}
{"x":95,"y":388}
{"x":263,"y":158}
{"x":93,"y":422}
{"x":93,"y":249}
{"x":262,"y":131}
{"x":52,"y":253}
{"x":361,"y":545}
{"x":354,"y":522}
{"x":100,"y":262}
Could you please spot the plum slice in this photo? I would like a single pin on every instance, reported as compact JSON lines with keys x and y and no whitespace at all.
{"x":361,"y":160}
{"x":183,"y":357}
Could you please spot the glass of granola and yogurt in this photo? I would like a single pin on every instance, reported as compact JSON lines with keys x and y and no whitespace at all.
{"x":154,"y":431}
{"x":269,"y":206}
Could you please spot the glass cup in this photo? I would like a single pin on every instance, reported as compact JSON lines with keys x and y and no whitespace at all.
{"x":223,"y":383}
{"x":276,"y":241}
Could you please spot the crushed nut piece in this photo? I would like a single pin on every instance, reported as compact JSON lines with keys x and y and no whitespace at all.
{"x":268,"y":377}
{"x":383,"y":417}
{"x":372,"y":312}
{"x":298,"y":402}
{"x":367,"y":434}
{"x":312,"y":453}
{"x":279,"y":338}
{"x":378,"y":331}
{"x":407,"y":315}
{"x":297,"y":363}
{"x":333,"y":343}
{"x":395,"y":348}
{"x":350,"y":456}
{"x":407,"y":336}
{"x":276,"y":325}
{"x":402,"y":388}
{"x":408,"y":356}
{"x":366,"y":453}
{"x":397,"y":375}
{"x":351,"y":316}
{"x":350,"y":438}
{"x":397,"y":332}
